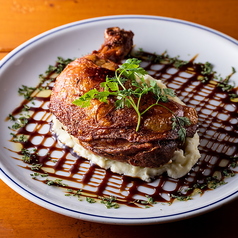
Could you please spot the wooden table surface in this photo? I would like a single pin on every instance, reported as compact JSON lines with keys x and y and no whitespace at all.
{"x":20,"y":20}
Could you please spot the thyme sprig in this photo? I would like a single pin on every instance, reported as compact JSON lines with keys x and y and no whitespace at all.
{"x":181,"y":197}
{"x":163,"y":58}
{"x":19,"y":122}
{"x":150,"y":201}
{"x":224,"y":84}
{"x":55,"y":182}
{"x":28,"y":155}
{"x":61,"y":63}
{"x":26,"y":92}
{"x":110,"y":202}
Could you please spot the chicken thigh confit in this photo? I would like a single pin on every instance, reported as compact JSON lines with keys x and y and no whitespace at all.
{"x":106,"y":130}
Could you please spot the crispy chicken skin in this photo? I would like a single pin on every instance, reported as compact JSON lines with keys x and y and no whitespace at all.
{"x":108,"y":131}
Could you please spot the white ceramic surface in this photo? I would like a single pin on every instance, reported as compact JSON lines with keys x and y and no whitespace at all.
{"x":153,"y":34}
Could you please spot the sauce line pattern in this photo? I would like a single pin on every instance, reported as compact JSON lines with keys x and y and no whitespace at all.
{"x":218,"y":131}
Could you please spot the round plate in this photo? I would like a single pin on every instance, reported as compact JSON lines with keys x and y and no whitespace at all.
{"x":154,"y":34}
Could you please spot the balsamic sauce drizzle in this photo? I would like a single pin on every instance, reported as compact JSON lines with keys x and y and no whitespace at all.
{"x":218,"y":131}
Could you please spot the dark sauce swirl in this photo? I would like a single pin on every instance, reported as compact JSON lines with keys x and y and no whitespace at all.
{"x":218,"y":131}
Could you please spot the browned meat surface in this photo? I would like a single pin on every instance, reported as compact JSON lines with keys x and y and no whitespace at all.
{"x":108,"y":131}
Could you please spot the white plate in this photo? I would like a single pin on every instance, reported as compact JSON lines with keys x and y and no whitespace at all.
{"x":153,"y":34}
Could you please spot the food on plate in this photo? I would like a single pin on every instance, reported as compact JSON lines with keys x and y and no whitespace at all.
{"x":119,"y":117}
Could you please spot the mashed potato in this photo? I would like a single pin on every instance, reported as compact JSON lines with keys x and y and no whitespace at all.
{"x":179,"y":165}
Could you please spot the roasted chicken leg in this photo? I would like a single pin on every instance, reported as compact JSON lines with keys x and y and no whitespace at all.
{"x":108,"y":131}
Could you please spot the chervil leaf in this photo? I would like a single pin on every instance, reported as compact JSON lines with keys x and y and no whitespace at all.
{"x":130,"y":68}
{"x":184,"y":121}
{"x":110,"y":84}
{"x":85,"y":99}
{"x":169,"y":92}
{"x":181,"y":123}
{"x":131,"y":96}
{"x":102,"y":96}
{"x":182,"y":133}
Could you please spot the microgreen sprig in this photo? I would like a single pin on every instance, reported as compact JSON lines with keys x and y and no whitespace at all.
{"x":130,"y":96}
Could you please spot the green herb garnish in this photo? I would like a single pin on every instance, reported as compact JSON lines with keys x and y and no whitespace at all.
{"x":234,"y":162}
{"x":130,"y":97}
{"x":225,"y":84}
{"x":177,"y":63}
{"x":20,"y":138}
{"x":36,"y":166}
{"x":61,"y":63}
{"x":11,"y":117}
{"x":35,"y":175}
{"x":19,"y":122}
{"x":213,"y":182}
{"x":90,"y":200}
{"x":26,"y":92}
{"x":181,"y":122}
{"x":181,"y":197}
{"x":228,"y":173}
{"x":109,"y":202}
{"x":150,"y":201}
{"x":56,"y":182}
{"x":28,"y":155}
{"x":207,"y":68}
